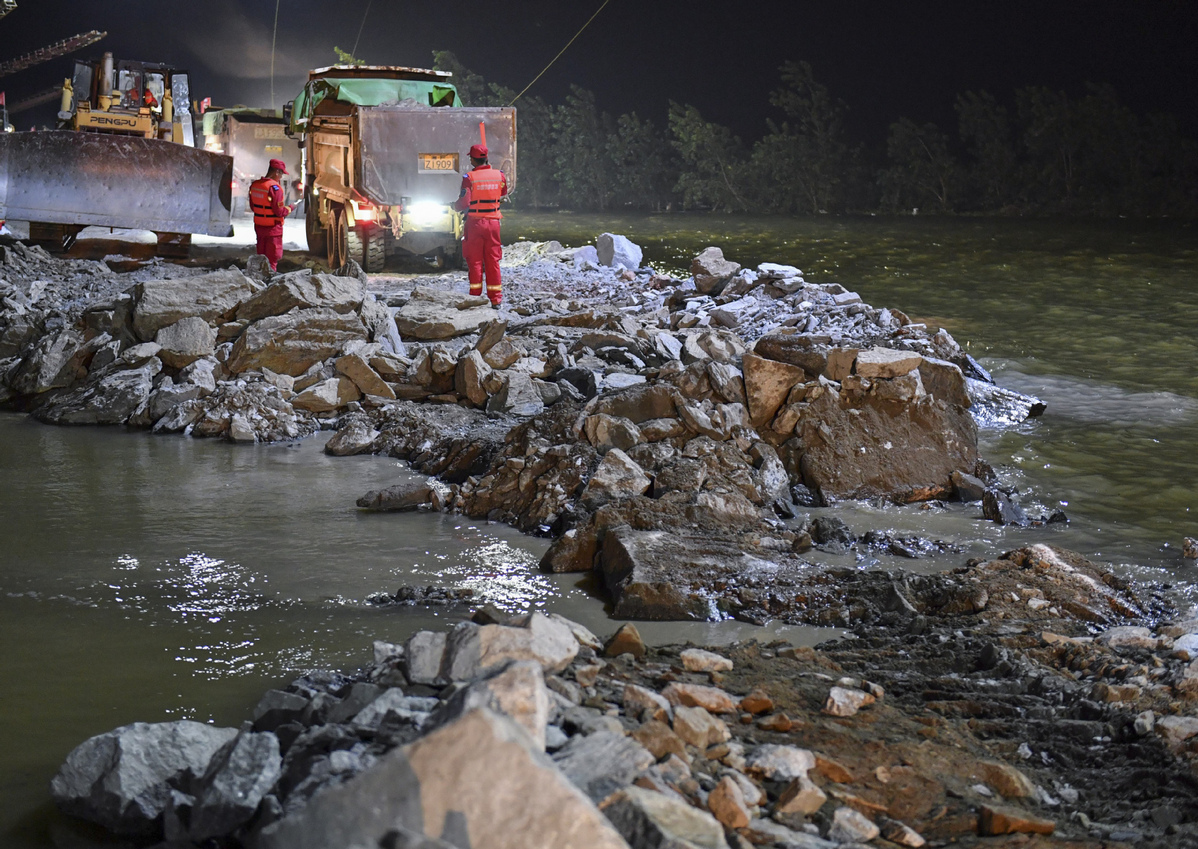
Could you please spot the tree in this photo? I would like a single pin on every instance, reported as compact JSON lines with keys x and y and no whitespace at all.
{"x":922,"y":173}
{"x":344,"y":58}
{"x":985,"y":129}
{"x":644,"y":169}
{"x":580,"y":144}
{"x":813,"y":158}
{"x":715,"y":165}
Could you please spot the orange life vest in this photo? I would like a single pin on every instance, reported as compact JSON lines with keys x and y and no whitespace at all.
{"x":262,"y":202}
{"x":487,"y":186}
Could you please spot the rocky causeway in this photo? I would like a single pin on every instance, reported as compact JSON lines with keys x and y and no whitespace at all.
{"x":670,"y":435}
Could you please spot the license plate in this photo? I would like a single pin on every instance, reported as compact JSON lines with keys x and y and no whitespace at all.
{"x":438,"y":162}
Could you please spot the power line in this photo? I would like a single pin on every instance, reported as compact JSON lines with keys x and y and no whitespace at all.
{"x":273,"y":37}
{"x":354,"y":52}
{"x":559,"y":53}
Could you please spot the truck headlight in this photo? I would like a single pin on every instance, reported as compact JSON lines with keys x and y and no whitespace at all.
{"x":426,"y":212}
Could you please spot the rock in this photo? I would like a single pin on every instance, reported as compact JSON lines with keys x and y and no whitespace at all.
{"x":605,"y":432}
{"x":433,"y":314}
{"x":801,"y":797}
{"x":187,"y":340}
{"x":241,"y":430}
{"x":53,"y":363}
{"x":849,"y":826}
{"x":504,"y":354}
{"x":573,"y":551}
{"x":945,"y":381}
{"x":642,"y":703}
{"x":711,"y":699}
{"x":1005,"y":780}
{"x":698,"y":660}
{"x":1176,"y":730}
{"x":108,"y":398}
{"x":1145,"y":723}
{"x":886,"y":362}
{"x":601,"y":763}
{"x":727,"y":804}
{"x":968,"y":488}
{"x":237,"y":778}
{"x":518,"y":395}
{"x":867,"y":447}
{"x":1128,"y":637}
{"x":757,"y":702}
{"x":767,"y":385}
{"x":779,"y":763}
{"x":699,"y":728}
{"x":409,"y":495}
{"x":711,"y":271}
{"x":368,"y":381}
{"x":473,"y":650}
{"x":213,"y":297}
{"x":659,"y":739}
{"x":423,"y":656}
{"x":305,"y":290}
{"x":434,"y":786}
{"x":1189,"y":548}
{"x":328,"y":395}
{"x":617,"y":476}
{"x":121,"y":779}
{"x":994,"y":820}
{"x":291,"y":344}
{"x":586,"y":254}
{"x":650,"y":820}
{"x":490,"y":336}
{"x":518,"y":692}
{"x":626,"y":640}
{"x":998,"y":507}
{"x":897,"y":832}
{"x":994,"y":406}
{"x":356,"y":437}
{"x":846,"y":701}
{"x":616,"y":251}
{"x":471,"y":373}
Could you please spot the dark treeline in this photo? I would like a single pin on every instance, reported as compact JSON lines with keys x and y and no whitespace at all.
{"x":1049,"y":154}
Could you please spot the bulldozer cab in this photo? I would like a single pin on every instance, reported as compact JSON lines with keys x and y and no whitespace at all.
{"x":145,"y":99}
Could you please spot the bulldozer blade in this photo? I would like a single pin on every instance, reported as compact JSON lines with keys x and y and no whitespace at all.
{"x":93,"y":179}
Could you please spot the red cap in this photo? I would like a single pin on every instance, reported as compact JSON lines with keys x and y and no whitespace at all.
{"x":278,"y":165}
{"x":478,"y":151}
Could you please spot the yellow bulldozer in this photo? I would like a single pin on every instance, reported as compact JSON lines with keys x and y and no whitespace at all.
{"x":124,"y":156}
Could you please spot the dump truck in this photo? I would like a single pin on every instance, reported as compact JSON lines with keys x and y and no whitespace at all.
{"x":252,"y":136}
{"x":384,"y":149}
{"x":123,"y":156}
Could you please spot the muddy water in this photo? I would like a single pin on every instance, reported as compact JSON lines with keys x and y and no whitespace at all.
{"x":149,"y":578}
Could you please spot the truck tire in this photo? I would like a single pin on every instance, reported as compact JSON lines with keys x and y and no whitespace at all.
{"x":355,"y":245}
{"x":318,"y":239}
{"x":335,"y":238}
{"x":376,"y":250}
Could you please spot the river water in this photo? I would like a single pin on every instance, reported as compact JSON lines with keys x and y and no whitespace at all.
{"x":148,"y":578}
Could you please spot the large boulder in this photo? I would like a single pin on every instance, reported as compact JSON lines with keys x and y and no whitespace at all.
{"x":618,"y":476}
{"x":478,"y":782}
{"x":52,"y":364}
{"x":711,"y":271}
{"x":603,"y":762}
{"x":474,"y":650}
{"x":213,"y":297}
{"x":862,"y":446}
{"x":518,"y":692}
{"x":238,"y":776}
{"x":649,"y":819}
{"x":122,"y":779}
{"x":107,"y":398}
{"x":616,"y":250}
{"x":328,"y":395}
{"x":767,"y":385}
{"x":440,"y":314}
{"x":291,"y":344}
{"x":305,"y":290}
{"x":187,"y":340}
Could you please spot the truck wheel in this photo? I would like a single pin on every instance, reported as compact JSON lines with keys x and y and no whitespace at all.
{"x":318,"y":239}
{"x":376,"y":251}
{"x":335,"y":239}
{"x":355,"y":245}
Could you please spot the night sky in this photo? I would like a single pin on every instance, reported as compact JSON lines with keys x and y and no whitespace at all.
{"x":885,"y":59}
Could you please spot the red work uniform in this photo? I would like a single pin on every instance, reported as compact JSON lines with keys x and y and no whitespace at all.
{"x":266,"y":201}
{"x":482,"y":187}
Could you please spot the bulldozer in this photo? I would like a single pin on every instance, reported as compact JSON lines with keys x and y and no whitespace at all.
{"x":124,"y":156}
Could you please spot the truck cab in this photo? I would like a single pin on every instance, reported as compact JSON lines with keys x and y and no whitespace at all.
{"x":384,"y":149}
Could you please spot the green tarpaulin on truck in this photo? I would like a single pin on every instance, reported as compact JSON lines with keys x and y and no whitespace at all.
{"x":372,"y":92}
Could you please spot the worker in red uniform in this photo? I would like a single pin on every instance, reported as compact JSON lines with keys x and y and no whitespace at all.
{"x":266,"y":201}
{"x":482,"y":189}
